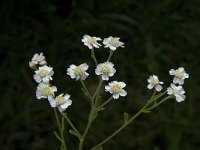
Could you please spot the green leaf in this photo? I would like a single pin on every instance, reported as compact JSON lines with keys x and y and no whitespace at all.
{"x":126,"y":117}
{"x":73,"y":132}
{"x":58,"y":137}
{"x":146,"y":111}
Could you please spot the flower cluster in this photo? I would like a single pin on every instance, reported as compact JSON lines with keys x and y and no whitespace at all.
{"x":177,"y":90}
{"x":43,"y":75}
{"x":111,"y":42}
{"x":105,"y":70}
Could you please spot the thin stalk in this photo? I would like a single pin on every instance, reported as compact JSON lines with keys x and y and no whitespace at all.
{"x":110,"y":55}
{"x":94,"y":57}
{"x":71,"y":124}
{"x":91,"y":118}
{"x":106,"y":102}
{"x":86,"y":90}
{"x":61,"y":132}
{"x":129,"y":121}
{"x":160,"y":102}
{"x":98,"y":88}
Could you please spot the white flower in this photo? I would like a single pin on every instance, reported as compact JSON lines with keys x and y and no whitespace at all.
{"x":44,"y":90}
{"x":105,"y":69}
{"x":78,"y":72}
{"x":44,"y":74}
{"x":177,"y":91}
{"x":179,"y":75}
{"x":154,"y":82}
{"x":91,"y":42}
{"x":37,"y":59}
{"x":113,"y":43}
{"x":61,"y":102}
{"x":116,"y":88}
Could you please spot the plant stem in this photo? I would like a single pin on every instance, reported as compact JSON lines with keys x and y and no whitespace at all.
{"x":61,"y":132}
{"x":130,"y":120}
{"x":160,"y":102}
{"x":94,"y":57}
{"x":90,"y":120}
{"x":98,"y":88}
{"x":110,"y":55}
{"x":86,"y":90}
{"x":71,"y":124}
{"x":106,"y":102}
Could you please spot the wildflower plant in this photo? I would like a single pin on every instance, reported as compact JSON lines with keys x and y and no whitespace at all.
{"x":117,"y":89}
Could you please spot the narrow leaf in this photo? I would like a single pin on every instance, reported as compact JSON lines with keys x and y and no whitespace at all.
{"x":58,"y":137}
{"x":73,"y":132}
{"x":146,"y":111}
{"x":126,"y":117}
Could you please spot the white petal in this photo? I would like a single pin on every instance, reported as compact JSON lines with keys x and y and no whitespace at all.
{"x":66,"y":104}
{"x":115,"y":96}
{"x":158,"y":88}
{"x":123,"y":93}
{"x":105,"y":77}
{"x":150,"y":86}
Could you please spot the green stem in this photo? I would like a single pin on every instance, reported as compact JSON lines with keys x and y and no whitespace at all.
{"x":110,"y":55}
{"x":98,"y":88}
{"x":91,"y":118}
{"x":106,"y":102}
{"x":160,"y":102}
{"x":71,"y":124}
{"x":129,"y":121}
{"x":86,"y":90}
{"x":94,"y":57}
{"x":61,"y":132}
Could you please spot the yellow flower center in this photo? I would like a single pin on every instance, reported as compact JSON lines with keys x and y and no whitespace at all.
{"x":46,"y":91}
{"x":91,"y":40}
{"x":178,"y":74}
{"x":59,"y":100}
{"x":43,"y":73}
{"x":79,"y":70}
{"x":106,"y":69}
{"x":155,"y":82}
{"x":116,"y":88}
{"x":114,"y":41}
{"x":176,"y":92}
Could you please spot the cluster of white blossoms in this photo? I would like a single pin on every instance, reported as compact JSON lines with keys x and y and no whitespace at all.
{"x":177,"y":90}
{"x":105,"y":70}
{"x":43,"y":75}
{"x":111,"y":42}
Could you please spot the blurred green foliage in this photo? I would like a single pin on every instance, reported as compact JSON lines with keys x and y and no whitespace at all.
{"x":158,"y":35}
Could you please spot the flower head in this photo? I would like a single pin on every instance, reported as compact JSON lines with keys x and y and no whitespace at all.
{"x":78,"y":72}
{"x":91,"y":42}
{"x":61,"y":102}
{"x":154,"y":82}
{"x":116,"y":88}
{"x":37,"y":59}
{"x":106,"y":70}
{"x":43,"y":74}
{"x":113,"y":43}
{"x":179,"y":75}
{"x":44,"y":90}
{"x":177,"y":91}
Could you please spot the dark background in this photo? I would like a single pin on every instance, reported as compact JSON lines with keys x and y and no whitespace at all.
{"x":158,"y":34}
